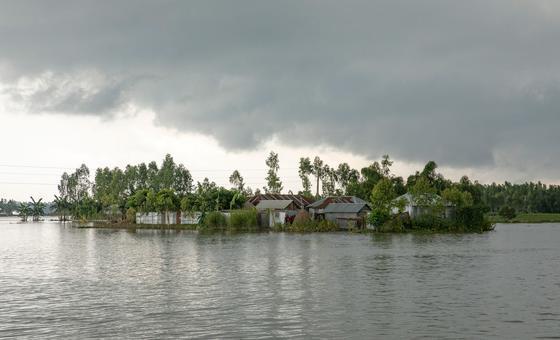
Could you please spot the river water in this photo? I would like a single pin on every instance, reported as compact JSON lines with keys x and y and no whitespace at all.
{"x":58,"y":281}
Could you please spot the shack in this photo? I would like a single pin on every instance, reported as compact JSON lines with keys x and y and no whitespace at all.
{"x":347,"y":215}
{"x":317,"y":209}
{"x":275,"y":212}
{"x":277,"y":208}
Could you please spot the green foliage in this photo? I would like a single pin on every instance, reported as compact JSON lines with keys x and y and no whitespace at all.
{"x":309,"y":226}
{"x":305,"y":169}
{"x":507,"y":212}
{"x":237,"y":181}
{"x":37,"y":208}
{"x":458,"y":198}
{"x":395,"y":224}
{"x":274,"y":185}
{"x":243,"y":220}
{"x":214,"y":220}
{"x":527,"y":218}
{"x":131,"y":215}
{"x":7,"y":207}
{"x":24,"y":211}
{"x":382,"y":200}
{"x":378,"y":217}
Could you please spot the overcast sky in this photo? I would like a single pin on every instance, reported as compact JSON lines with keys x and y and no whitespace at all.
{"x":473,"y":85}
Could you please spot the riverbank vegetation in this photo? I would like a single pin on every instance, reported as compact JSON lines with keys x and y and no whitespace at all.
{"x":243,"y":220}
{"x":116,"y":194}
{"x":526,"y":218}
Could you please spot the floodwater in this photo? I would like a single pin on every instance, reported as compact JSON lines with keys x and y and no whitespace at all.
{"x":58,"y":281}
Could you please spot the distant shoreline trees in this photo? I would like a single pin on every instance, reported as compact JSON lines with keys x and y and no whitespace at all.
{"x":118,"y":194}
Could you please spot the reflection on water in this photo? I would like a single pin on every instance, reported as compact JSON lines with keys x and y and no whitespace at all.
{"x":59,"y":281}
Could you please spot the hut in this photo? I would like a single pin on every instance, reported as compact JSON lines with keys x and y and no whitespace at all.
{"x":317,"y":209}
{"x":277,"y":208}
{"x":347,"y":215}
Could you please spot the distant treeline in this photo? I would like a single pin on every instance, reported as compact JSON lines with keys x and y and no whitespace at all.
{"x":8,"y":207}
{"x":169,"y":186}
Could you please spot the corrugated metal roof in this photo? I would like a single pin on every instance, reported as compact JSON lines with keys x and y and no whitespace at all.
{"x":336,"y":199}
{"x":409,"y":199}
{"x":274,"y":204}
{"x":299,"y":200}
{"x":345,"y":207}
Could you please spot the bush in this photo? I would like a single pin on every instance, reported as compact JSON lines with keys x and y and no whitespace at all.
{"x":432,"y":222}
{"x":243,"y":220}
{"x":507,"y":212}
{"x":306,"y":225}
{"x":379,"y":217}
{"x":214,"y":220}
{"x":466,"y":219}
{"x":131,"y":215}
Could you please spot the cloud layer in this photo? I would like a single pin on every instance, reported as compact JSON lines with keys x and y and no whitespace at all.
{"x":469,"y":83}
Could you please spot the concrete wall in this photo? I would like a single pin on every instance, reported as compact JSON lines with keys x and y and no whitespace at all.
{"x":156,"y":218}
{"x":190,"y":218}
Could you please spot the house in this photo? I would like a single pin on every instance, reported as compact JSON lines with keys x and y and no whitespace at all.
{"x":300,"y":201}
{"x":346,"y":211}
{"x":316,"y":209}
{"x":347,"y":215}
{"x":277,"y":208}
{"x":414,"y":209}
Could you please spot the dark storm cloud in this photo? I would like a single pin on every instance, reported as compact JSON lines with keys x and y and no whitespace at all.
{"x":468,"y":83}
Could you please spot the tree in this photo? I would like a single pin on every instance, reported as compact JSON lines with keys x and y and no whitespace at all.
{"x":382,"y":201}
{"x":166,"y":173}
{"x":152,"y":175}
{"x":182,"y":181}
{"x":131,"y":179}
{"x":317,"y":171}
{"x":83,"y":184}
{"x":329,"y":179}
{"x":61,"y":207}
{"x":305,"y":169}
{"x":346,"y":176}
{"x":423,"y":193}
{"x":507,"y":212}
{"x":386,"y":164}
{"x":237,"y":181}
{"x":458,"y":198}
{"x":166,"y":201}
{"x":142,"y":176}
{"x":274,"y":185}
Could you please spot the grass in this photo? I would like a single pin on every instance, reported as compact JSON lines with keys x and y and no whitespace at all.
{"x":527,"y":218}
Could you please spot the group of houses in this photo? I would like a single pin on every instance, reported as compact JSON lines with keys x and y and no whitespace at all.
{"x":273,"y":209}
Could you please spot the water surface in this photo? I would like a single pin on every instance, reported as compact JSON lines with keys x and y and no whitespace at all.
{"x":58,"y":281}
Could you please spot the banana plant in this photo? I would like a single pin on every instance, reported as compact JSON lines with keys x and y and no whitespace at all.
{"x":24,"y":211}
{"x":37,"y":208}
{"x":61,"y":206}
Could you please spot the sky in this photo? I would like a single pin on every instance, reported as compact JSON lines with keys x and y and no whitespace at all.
{"x":473,"y":85}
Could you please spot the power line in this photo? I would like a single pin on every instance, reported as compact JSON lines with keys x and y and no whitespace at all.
{"x":30,"y":173}
{"x":34,"y":166}
{"x":27,"y":183}
{"x":191,"y":170}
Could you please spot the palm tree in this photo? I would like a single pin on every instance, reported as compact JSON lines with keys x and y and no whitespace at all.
{"x":24,"y":211}
{"x":37,"y":208}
